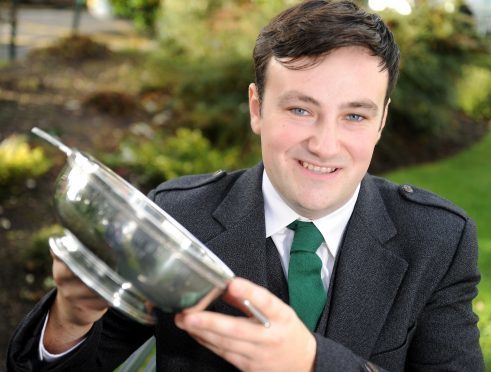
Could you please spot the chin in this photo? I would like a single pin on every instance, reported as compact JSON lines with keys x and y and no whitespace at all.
{"x":313,"y":210}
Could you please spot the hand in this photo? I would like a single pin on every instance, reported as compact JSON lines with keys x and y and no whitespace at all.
{"x":287,"y":345}
{"x":73,"y":312}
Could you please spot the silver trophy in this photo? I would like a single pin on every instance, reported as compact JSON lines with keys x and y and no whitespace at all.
{"x":127,"y":249}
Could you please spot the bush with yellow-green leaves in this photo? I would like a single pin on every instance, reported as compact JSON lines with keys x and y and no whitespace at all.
{"x":20,"y":162}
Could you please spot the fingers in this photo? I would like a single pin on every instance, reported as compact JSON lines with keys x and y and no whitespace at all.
{"x":248,"y":329}
{"x":220,"y":329}
{"x":221,"y":344}
{"x":231,"y":327}
{"x":286,"y":345}
{"x":76,"y":302}
{"x":65,"y":278}
{"x":74,"y":311}
{"x":263,"y":300}
{"x":228,"y":337}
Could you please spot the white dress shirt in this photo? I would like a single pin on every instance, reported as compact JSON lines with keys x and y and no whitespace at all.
{"x":279,"y":215}
{"x":45,"y":354}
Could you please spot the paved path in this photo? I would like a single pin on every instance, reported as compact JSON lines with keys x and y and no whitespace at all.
{"x":37,"y":27}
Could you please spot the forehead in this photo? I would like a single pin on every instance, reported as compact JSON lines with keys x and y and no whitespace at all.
{"x":341,"y":72}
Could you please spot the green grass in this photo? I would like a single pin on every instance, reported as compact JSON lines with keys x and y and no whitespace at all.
{"x":465,"y":179}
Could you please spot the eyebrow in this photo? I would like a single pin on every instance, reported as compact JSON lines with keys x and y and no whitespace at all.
{"x":296,"y":95}
{"x":364,"y":104}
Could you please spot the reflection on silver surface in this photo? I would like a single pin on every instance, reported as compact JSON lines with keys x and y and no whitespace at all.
{"x":76,"y":183}
{"x":126,"y":248}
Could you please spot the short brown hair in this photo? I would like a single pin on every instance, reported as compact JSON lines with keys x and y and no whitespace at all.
{"x":314,"y":28}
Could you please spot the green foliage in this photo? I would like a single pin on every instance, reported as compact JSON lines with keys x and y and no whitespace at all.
{"x":465,"y":179}
{"x":474,"y":92}
{"x":435,"y":45}
{"x":205,"y":66}
{"x":151,"y":161}
{"x":207,"y":95}
{"x":143,"y":13}
{"x":18,"y":162}
{"x":220,"y":28}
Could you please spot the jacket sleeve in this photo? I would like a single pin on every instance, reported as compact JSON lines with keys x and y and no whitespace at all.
{"x":334,"y":357}
{"x":446,"y":335}
{"x":101,"y":351}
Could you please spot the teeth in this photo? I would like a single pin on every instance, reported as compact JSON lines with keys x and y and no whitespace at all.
{"x":317,"y":169}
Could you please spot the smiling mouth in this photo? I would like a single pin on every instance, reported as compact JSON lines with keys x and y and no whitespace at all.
{"x":317,"y":169}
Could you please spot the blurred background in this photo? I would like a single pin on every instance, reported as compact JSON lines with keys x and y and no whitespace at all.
{"x":156,"y":89}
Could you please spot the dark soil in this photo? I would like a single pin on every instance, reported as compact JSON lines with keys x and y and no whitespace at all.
{"x":91,"y":101}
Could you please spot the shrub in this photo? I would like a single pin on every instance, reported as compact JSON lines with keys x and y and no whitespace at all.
{"x":18,"y":162}
{"x":476,"y":102}
{"x":435,"y":45}
{"x":73,"y":48}
{"x":205,"y":66}
{"x":147,"y":162}
{"x":143,"y":13}
{"x":207,"y":95}
{"x":220,"y":28}
{"x":111,"y":102}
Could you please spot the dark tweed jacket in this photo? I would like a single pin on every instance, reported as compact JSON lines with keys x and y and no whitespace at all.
{"x":400,"y":297}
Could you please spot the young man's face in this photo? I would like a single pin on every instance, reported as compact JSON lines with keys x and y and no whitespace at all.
{"x":319,"y":127}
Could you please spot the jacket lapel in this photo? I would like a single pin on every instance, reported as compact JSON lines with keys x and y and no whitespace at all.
{"x":242,"y":244}
{"x":367,"y":275}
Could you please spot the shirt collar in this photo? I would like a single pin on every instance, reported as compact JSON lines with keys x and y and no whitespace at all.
{"x":278,"y":215}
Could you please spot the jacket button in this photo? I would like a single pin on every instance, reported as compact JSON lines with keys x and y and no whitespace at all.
{"x":407,"y":188}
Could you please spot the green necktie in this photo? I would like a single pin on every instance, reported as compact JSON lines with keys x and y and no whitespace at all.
{"x":305,"y":288}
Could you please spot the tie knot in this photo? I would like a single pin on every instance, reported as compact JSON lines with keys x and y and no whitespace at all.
{"x":307,"y":237}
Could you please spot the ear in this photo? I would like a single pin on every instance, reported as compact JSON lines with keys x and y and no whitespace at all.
{"x":254,"y":109}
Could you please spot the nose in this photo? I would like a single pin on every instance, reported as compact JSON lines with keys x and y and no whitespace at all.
{"x":324,"y":140}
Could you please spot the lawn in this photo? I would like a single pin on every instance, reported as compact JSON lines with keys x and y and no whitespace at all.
{"x":465,"y":179}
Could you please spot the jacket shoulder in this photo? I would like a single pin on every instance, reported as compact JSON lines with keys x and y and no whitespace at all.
{"x":195,"y":188}
{"x":418,"y":196}
{"x":191,"y":182}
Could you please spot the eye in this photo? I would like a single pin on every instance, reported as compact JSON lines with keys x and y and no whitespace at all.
{"x":354,"y":117}
{"x":299,"y":111}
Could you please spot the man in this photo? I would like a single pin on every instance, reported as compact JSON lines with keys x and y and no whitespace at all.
{"x":398,"y":268}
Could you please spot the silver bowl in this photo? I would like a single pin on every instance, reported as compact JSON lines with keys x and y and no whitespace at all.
{"x":127,"y":249}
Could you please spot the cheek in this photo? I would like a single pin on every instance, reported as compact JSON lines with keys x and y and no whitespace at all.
{"x":361,"y":147}
{"x":279,"y":137}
